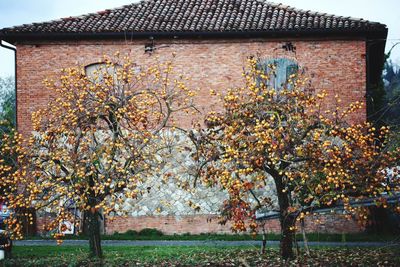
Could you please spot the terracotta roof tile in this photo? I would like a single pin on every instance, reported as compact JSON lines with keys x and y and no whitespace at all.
{"x":198,"y":16}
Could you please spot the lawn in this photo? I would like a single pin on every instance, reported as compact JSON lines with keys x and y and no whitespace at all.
{"x":198,"y":256}
{"x":153,"y":234}
{"x":324,"y":237}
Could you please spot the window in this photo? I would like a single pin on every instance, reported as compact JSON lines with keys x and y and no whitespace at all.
{"x":284,"y":68}
{"x":95,"y":71}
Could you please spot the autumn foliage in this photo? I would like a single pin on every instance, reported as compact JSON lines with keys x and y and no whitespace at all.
{"x":94,"y":143}
{"x":16,"y":186}
{"x":101,"y":137}
{"x":316,"y":157}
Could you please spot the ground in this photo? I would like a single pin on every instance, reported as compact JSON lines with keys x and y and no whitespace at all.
{"x":199,"y":256}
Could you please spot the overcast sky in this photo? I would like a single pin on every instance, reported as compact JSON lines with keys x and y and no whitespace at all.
{"x":16,"y":12}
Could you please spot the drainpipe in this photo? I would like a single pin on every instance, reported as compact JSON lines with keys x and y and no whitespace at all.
{"x":7,"y":46}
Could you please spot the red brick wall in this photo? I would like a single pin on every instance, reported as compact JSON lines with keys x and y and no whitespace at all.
{"x":336,"y":66}
{"x":167,"y":224}
{"x":209,"y":224}
{"x":198,"y":224}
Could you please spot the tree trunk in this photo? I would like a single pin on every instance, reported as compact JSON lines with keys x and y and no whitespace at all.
{"x":94,"y":223}
{"x":286,"y":243}
{"x":264,"y":242}
{"x":94,"y":234}
{"x":287,"y":220}
{"x":305,"y":240}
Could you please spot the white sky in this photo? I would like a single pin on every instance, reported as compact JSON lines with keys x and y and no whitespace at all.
{"x":16,"y":12}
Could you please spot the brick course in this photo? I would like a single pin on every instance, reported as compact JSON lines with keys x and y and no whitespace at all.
{"x":199,"y":224}
{"x":337,"y":66}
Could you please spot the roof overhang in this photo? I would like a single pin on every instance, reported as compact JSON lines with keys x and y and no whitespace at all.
{"x":322,"y":33}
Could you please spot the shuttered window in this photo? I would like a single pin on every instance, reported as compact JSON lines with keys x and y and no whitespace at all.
{"x":284,"y":68}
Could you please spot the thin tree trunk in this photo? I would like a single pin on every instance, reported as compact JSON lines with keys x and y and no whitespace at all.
{"x":94,"y":234}
{"x":305,"y":240}
{"x":286,"y":243}
{"x":296,"y":243}
{"x":264,"y":240}
{"x":287,"y":221}
{"x":94,"y":223}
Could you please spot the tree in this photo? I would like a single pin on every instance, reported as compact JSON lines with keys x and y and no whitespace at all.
{"x":391,"y":79}
{"x":98,"y":140}
{"x":7,"y":103}
{"x":385,"y":110}
{"x":10,"y":170}
{"x":315,"y":157}
{"x":14,"y":186}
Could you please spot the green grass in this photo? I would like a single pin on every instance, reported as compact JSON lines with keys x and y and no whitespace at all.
{"x":145,"y":253}
{"x":113,"y":256}
{"x":196,"y":256}
{"x":152,"y":234}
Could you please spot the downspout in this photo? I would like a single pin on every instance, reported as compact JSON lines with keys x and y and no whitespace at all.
{"x":15,"y":77}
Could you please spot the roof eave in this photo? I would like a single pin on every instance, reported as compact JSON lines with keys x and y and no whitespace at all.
{"x":369,"y":34}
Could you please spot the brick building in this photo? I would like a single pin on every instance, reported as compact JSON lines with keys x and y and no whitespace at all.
{"x":212,"y":40}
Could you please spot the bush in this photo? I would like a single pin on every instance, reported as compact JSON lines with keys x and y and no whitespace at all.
{"x":131,"y":232}
{"x":151,"y":232}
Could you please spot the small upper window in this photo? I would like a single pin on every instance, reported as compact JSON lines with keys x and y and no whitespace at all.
{"x":95,"y":72}
{"x":284,"y":68}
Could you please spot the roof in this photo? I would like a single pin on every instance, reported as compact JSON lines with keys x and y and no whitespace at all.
{"x":197,"y":16}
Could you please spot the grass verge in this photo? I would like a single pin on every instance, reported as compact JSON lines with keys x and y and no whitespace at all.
{"x":197,"y":256}
{"x":153,"y":234}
